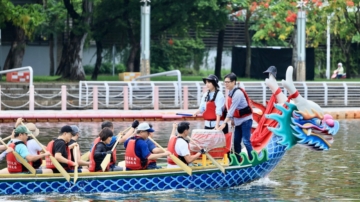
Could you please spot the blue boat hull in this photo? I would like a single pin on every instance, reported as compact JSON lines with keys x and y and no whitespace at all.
{"x":122,"y":183}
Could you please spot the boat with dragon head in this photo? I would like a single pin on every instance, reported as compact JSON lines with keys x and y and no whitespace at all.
{"x":284,"y":122}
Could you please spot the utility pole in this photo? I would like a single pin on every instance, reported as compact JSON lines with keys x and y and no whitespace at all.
{"x":0,"y":57}
{"x":301,"y":41}
{"x":145,"y":38}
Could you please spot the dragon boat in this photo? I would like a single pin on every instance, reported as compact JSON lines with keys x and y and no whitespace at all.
{"x":283,"y":123}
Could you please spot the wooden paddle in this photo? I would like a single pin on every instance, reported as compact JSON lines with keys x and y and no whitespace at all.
{"x":106,"y":160}
{"x":21,"y":159}
{"x":217,"y":164}
{"x":178,"y":162}
{"x":53,"y":160}
{"x":85,"y":157}
{"x":76,"y":174}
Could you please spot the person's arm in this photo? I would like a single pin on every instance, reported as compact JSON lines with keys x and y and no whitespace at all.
{"x":130,"y":133}
{"x":3,"y":155}
{"x":32,"y":158}
{"x":24,"y":153}
{"x":173,"y":132}
{"x":235,"y":102}
{"x":59,"y":147}
{"x":219,"y":103}
{"x":3,"y":147}
{"x":80,"y":161}
{"x":191,"y":158}
{"x":145,"y":152}
{"x":100,"y":151}
{"x":201,"y":107}
{"x":156,"y":156}
{"x":17,"y":123}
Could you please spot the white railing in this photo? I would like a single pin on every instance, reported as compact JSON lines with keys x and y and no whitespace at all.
{"x":178,"y":88}
{"x":163,"y":95}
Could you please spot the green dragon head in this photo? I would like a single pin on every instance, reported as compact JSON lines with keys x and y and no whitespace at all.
{"x":298,"y":127}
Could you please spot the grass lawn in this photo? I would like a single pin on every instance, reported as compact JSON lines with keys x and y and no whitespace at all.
{"x":159,"y":78}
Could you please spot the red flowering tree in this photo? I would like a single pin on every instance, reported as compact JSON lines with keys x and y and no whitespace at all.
{"x":277,"y":26}
{"x":248,"y":12}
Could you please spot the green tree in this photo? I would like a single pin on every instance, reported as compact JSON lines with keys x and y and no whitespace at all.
{"x":80,"y":15}
{"x":53,"y":26}
{"x":25,"y":19}
{"x":345,"y":26}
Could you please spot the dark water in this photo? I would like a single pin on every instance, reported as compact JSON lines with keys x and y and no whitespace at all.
{"x":302,"y":175}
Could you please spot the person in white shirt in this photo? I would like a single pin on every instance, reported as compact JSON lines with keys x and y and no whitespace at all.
{"x":179,"y":145}
{"x":33,"y":147}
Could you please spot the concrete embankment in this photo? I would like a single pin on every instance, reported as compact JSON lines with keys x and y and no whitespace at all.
{"x":129,"y":115}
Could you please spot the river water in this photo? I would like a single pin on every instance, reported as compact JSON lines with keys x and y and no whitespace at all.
{"x":302,"y":174}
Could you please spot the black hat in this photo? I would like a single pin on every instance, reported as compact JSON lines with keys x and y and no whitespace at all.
{"x":272,"y":70}
{"x":214,"y":80}
{"x":66,"y":129}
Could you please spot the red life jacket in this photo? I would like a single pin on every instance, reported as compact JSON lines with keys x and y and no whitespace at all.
{"x":92,"y":166}
{"x":239,"y":113}
{"x":50,"y":148}
{"x":132,"y":161}
{"x":13,"y":165}
{"x":210,"y":109}
{"x":171,"y":149}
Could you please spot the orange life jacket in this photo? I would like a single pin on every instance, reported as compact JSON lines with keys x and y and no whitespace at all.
{"x":239,"y":113}
{"x":13,"y":165}
{"x":171,"y":149}
{"x":50,"y":148}
{"x":210,"y":109}
{"x":132,"y":161}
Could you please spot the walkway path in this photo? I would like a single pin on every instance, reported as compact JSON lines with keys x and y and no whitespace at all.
{"x":129,"y":115}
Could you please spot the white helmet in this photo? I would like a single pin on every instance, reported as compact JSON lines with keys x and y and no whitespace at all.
{"x":340,"y":64}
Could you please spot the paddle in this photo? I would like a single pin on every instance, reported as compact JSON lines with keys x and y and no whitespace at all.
{"x":85,"y":157}
{"x":76,"y":174}
{"x":181,"y":114}
{"x":106,"y":160}
{"x":217,"y":164}
{"x":21,"y":159}
{"x":53,"y":160}
{"x":178,"y":162}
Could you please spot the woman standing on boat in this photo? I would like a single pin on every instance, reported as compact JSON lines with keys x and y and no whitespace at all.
{"x":100,"y":150}
{"x":239,"y":112}
{"x":212,"y":104}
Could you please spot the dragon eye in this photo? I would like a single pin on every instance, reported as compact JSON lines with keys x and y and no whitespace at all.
{"x":318,"y":122}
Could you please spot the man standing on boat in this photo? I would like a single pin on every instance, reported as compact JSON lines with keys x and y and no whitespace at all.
{"x":239,"y":111}
{"x":137,"y":154}
{"x":212,"y":104}
{"x":19,"y":146}
{"x":179,"y":145}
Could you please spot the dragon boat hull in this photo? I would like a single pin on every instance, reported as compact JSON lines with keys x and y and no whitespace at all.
{"x":149,"y":180}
